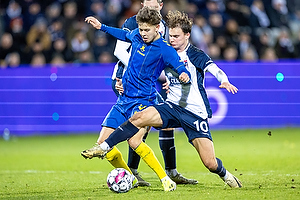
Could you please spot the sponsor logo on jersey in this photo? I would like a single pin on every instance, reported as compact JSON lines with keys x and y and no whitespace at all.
{"x":185,"y":63}
{"x":174,"y":81}
{"x":141,"y":107}
{"x":142,"y":49}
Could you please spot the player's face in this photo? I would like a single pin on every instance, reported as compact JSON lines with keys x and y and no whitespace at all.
{"x":153,"y":4}
{"x":148,"y":32}
{"x":178,"y":39}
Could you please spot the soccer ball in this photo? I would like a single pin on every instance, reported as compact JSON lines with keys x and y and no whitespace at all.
{"x":119,"y":180}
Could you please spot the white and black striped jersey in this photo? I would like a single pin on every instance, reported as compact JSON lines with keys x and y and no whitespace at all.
{"x":193,"y":96}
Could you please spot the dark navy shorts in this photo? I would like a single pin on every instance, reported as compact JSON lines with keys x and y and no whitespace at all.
{"x":174,"y":116}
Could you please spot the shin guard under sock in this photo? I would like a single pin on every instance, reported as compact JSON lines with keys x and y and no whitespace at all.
{"x":115,"y":158}
{"x":146,"y":153}
{"x":221,"y":171}
{"x":167,"y":146}
{"x":133,"y":157}
{"x":122,"y":133}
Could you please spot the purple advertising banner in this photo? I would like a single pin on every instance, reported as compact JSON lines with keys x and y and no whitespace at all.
{"x":77,"y":98}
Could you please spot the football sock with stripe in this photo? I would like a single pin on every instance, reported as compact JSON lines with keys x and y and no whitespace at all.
{"x":146,"y":153}
{"x":166,"y":143}
{"x":115,"y":158}
{"x":122,"y":133}
{"x":221,"y":171}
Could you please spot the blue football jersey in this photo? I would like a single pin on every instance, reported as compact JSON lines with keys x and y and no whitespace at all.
{"x":146,"y":63}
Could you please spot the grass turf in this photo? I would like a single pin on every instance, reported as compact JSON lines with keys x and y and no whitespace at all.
{"x":50,"y":167}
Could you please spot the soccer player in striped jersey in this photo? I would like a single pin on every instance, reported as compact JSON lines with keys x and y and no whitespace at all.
{"x":187,"y":105}
{"x":150,"y":55}
{"x":166,"y":137}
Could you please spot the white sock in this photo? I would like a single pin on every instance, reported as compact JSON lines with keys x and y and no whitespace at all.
{"x":172,"y":172}
{"x":164,"y":178}
{"x":134,"y":171}
{"x":226,"y":176}
{"x":104,"y":146}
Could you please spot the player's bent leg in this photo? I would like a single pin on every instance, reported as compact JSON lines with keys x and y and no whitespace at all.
{"x":205,"y":149}
{"x":150,"y":159}
{"x":167,"y":146}
{"x":134,"y":160}
{"x":148,"y":117}
{"x":114,"y":156}
{"x":96,"y":150}
{"x":104,"y":134}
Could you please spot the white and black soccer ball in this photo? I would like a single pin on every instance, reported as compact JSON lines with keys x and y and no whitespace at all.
{"x":119,"y":180}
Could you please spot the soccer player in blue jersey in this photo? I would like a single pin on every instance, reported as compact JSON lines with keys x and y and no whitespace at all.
{"x":150,"y":55}
{"x":166,"y":137}
{"x":187,"y":105}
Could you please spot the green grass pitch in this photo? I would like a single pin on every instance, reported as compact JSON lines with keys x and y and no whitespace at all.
{"x":50,"y":167}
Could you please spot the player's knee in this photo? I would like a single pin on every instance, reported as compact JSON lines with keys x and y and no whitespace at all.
{"x":138,"y":119}
{"x":134,"y":142}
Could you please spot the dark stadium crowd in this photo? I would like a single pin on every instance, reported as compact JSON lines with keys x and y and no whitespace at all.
{"x":37,"y":32}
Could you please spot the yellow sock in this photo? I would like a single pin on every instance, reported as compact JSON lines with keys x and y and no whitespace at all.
{"x":146,"y":153}
{"x":115,"y":158}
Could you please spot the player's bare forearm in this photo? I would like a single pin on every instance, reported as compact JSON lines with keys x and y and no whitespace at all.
{"x":229,"y":87}
{"x":93,"y":21}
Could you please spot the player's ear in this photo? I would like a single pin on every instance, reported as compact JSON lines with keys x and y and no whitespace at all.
{"x":187,"y":35}
{"x":157,"y":27}
{"x":161,"y":5}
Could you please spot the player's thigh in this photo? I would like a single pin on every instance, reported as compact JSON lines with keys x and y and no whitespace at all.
{"x":148,"y":117}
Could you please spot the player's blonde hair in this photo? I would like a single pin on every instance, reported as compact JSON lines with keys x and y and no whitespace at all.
{"x":149,"y":16}
{"x":179,"y":19}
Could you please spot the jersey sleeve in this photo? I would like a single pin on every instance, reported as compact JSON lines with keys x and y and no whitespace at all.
{"x":121,"y":51}
{"x":203,"y":61}
{"x":122,"y":47}
{"x":217,"y":72}
{"x":199,"y":58}
{"x":116,"y":32}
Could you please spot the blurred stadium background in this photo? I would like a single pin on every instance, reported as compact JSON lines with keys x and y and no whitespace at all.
{"x":55,"y":74}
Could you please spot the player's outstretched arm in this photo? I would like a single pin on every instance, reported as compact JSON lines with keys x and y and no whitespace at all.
{"x":229,"y":87}
{"x":93,"y":21}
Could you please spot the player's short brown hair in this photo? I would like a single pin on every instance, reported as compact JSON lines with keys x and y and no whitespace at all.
{"x":149,"y":16}
{"x":179,"y":19}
